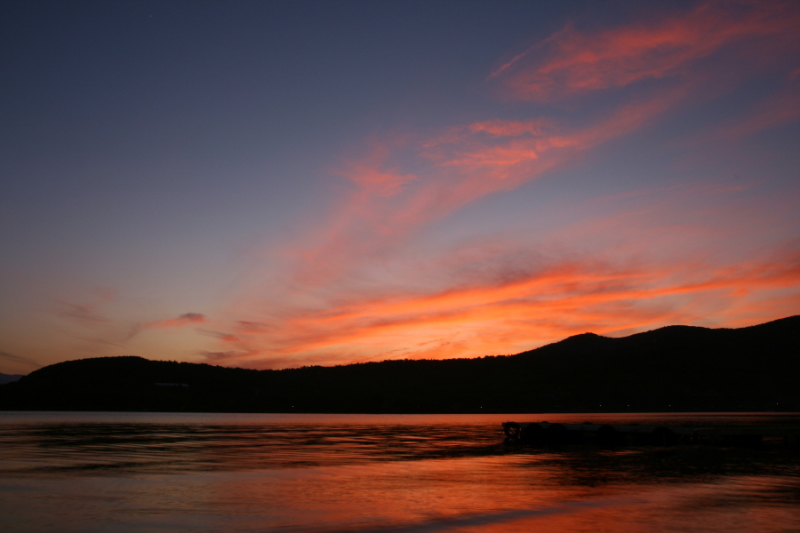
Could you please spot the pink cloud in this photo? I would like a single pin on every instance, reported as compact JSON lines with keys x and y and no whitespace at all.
{"x":185,"y":319}
{"x":573,"y":62}
{"x":338,"y":307}
{"x":538,"y":301}
{"x":83,"y":313}
{"x":403,"y":183}
{"x":455,"y":168}
{"x":87,"y":312}
{"x":17,"y":360}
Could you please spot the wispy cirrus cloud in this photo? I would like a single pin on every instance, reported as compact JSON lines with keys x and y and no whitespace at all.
{"x":101,"y":331}
{"x":19,"y":360}
{"x":574,"y":62}
{"x":185,"y":319}
{"x":87,"y":312}
{"x":405,"y":182}
{"x":451,"y":170}
{"x":537,"y":301}
{"x":353,"y":294}
{"x":84,"y":313}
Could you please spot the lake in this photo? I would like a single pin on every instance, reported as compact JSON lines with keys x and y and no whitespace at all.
{"x":136,"y":472}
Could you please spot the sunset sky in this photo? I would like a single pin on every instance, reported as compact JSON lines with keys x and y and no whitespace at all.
{"x":279,"y":184}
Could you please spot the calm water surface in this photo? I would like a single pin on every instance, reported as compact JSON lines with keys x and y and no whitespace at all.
{"x":133,"y":472}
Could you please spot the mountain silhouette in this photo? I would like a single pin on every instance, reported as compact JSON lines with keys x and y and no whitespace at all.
{"x":674,"y":368}
{"x":8,"y":378}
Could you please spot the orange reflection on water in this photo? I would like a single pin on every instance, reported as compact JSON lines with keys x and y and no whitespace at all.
{"x":507,"y":494}
{"x":728,"y":506}
{"x":392,"y":494}
{"x":368,"y":473}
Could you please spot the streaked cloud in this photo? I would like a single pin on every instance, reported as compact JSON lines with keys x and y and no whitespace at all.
{"x":522,"y":308}
{"x":452,"y":169}
{"x":87,"y":312}
{"x":355,"y":295}
{"x":574,"y":62}
{"x":84,"y":313}
{"x":185,"y":319}
{"x":19,"y":360}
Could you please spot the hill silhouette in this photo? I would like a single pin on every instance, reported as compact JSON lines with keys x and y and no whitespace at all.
{"x":8,"y":378}
{"x":675,"y":368}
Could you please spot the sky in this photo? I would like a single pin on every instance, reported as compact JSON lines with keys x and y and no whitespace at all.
{"x":281,"y":184}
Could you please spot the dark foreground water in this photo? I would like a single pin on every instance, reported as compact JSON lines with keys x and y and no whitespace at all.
{"x":134,"y":472}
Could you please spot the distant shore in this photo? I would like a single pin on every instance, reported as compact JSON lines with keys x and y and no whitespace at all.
{"x":672,"y":369}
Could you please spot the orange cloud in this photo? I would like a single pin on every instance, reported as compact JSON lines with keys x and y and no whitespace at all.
{"x":501,"y":155}
{"x":370,"y":174}
{"x":342,"y":302}
{"x":404,"y":184}
{"x":88,"y":312}
{"x":511,"y":314}
{"x":455,"y":168}
{"x":183,"y":320}
{"x":574,"y":62}
{"x":17,"y":360}
{"x":83,"y":313}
